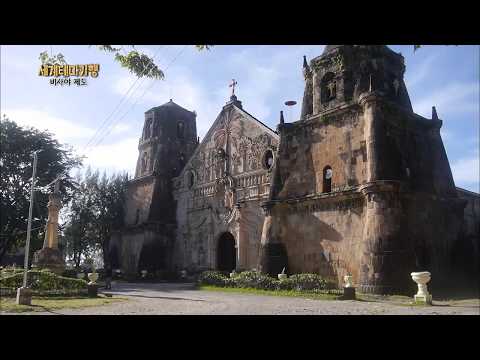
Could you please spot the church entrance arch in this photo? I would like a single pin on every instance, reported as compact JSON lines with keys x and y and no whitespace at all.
{"x":226,"y":252}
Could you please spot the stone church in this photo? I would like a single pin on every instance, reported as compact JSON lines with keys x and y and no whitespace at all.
{"x":360,"y":184}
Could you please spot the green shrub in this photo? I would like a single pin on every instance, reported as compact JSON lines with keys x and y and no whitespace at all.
{"x":254,"y":279}
{"x":306,"y":282}
{"x":7,"y":272}
{"x":43,"y":281}
{"x":229,"y":282}
{"x":258,"y":280}
{"x":215,"y":278}
{"x":286,"y":284}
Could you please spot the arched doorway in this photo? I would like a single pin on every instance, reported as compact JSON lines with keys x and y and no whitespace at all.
{"x":226,"y":252}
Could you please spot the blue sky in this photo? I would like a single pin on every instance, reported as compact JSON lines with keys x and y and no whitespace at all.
{"x":444,"y":76}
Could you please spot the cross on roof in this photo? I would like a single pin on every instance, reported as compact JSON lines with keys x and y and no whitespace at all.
{"x":232,"y":85}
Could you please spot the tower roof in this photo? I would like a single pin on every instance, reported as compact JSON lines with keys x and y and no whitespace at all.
{"x":329,"y":48}
{"x":170,"y":105}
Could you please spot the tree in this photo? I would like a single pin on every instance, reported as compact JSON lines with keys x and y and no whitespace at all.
{"x":78,"y":226}
{"x":109,"y":210}
{"x":18,"y":145}
{"x":136,"y":62}
{"x":94,"y":213}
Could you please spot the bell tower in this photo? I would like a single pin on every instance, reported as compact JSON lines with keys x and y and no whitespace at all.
{"x":343,"y":72}
{"x":168,"y":139}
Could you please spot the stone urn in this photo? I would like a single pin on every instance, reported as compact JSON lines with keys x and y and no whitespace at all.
{"x":144,"y":273}
{"x":422,"y":278}
{"x":348,"y":279}
{"x":93,"y":277}
{"x":282,"y":275}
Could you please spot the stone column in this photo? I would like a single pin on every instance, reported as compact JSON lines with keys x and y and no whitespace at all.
{"x":239,"y":237}
{"x":307,"y":103}
{"x":51,"y":234}
{"x":273,"y":255}
{"x":316,"y":92}
{"x":385,"y":263}
{"x":369,"y":102}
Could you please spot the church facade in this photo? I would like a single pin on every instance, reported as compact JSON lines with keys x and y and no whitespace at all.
{"x":359,"y":185}
{"x":219,"y":192}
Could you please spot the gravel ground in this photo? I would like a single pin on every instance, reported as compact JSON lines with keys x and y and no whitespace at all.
{"x":172,"y":299}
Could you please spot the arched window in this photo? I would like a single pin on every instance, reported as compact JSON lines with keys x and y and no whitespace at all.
{"x":268,"y":159}
{"x":180,"y":130}
{"x":327,"y":179}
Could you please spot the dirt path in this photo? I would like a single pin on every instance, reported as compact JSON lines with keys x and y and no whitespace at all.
{"x":167,"y":298}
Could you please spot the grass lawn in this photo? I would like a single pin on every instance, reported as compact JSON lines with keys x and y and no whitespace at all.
{"x":399,"y":300}
{"x":291,"y":293}
{"x":55,"y":303}
{"x":394,"y":299}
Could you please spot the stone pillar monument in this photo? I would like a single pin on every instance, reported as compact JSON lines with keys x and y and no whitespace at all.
{"x":50,"y":257}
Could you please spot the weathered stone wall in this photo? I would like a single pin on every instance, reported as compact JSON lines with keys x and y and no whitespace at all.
{"x":467,"y":250}
{"x":250,"y":232}
{"x":322,"y":235}
{"x":138,"y":200}
{"x":433,"y":231}
{"x":334,"y":140}
{"x":142,"y":248}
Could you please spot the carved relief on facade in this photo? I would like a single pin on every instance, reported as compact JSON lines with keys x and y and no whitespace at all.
{"x":243,"y":153}
{"x":225,"y":199}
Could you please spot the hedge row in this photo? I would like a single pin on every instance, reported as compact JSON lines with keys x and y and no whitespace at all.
{"x":10,"y":292}
{"x":43,"y":281}
{"x":257,"y":280}
{"x":9,"y":272}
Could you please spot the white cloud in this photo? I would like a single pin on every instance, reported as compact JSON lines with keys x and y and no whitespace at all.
{"x":260,"y":81}
{"x":120,"y":128}
{"x":191,"y":94}
{"x":466,"y":172}
{"x":259,"y":73}
{"x":420,"y":72}
{"x":115,"y":157}
{"x":63,"y":129}
{"x":456,"y":97}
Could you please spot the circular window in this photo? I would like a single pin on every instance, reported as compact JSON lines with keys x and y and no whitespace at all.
{"x":268,"y":159}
